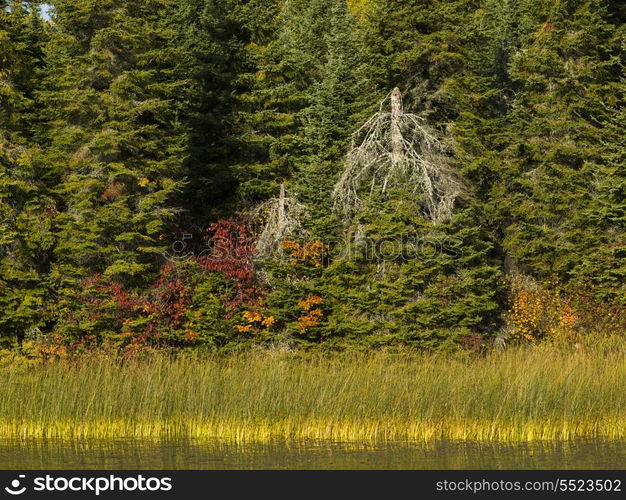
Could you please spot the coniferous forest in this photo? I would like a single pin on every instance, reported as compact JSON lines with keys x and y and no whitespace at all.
{"x":348,"y":174}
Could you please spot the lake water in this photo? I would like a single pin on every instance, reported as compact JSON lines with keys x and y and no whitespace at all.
{"x":129,"y":454}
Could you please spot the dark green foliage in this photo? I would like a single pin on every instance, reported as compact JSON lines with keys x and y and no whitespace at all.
{"x":339,"y":99}
{"x":404,"y":280}
{"x":565,"y":90}
{"x":26,"y":210}
{"x":125,"y":126}
{"x":209,"y":52}
{"x":112,"y":137}
{"x":603,"y":250}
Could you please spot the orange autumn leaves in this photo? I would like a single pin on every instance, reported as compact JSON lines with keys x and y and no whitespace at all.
{"x":539,"y":312}
{"x":309,"y":312}
{"x":312,"y":312}
{"x":310,"y":316}
{"x":311,"y":253}
{"x":255,"y":322}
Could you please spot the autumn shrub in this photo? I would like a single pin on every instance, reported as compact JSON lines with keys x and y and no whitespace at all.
{"x":201,"y":301}
{"x":230,"y":251}
{"x":100,"y":308}
{"x":596,"y":316}
{"x":538,"y":311}
{"x":312,"y":312}
{"x":313,"y":253}
{"x":558,"y":312}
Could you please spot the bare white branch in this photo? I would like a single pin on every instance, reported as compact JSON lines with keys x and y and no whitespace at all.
{"x":397,"y":150}
{"x":281,"y":220}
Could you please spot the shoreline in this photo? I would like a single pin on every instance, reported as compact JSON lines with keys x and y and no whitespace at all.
{"x":320,"y":432}
{"x":519,"y":395}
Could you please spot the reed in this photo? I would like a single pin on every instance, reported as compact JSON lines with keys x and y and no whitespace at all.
{"x":522,"y":394}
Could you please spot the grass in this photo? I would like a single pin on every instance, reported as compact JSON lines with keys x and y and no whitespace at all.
{"x":522,"y":394}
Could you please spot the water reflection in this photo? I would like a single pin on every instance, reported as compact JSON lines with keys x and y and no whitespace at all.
{"x":181,"y":454}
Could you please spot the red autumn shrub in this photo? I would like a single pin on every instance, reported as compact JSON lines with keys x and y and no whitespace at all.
{"x":231,"y":252}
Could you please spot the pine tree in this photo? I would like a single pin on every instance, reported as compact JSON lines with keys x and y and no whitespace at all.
{"x":602,"y":263}
{"x":439,"y":284}
{"x":339,"y":99}
{"x":210,"y":54}
{"x":444,"y":282}
{"x":563,"y":75}
{"x":271,"y":120}
{"x":26,"y":210}
{"x":112,"y":138}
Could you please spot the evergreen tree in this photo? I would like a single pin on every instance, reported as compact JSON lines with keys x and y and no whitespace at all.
{"x":26,"y":211}
{"x":113,"y":139}
{"x":602,"y":253}
{"x":211,"y":57}
{"x":563,"y":75}
{"x":403,"y":280}
{"x":271,"y":121}
{"x":339,"y":99}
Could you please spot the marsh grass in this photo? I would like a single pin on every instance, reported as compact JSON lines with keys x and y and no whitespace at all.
{"x":522,"y":394}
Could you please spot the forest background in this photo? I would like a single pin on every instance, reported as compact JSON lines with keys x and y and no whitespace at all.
{"x":219,"y":174}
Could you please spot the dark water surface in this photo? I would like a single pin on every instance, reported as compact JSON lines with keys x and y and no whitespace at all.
{"x":130,"y":454}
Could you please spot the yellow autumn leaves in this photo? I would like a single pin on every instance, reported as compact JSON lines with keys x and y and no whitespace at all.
{"x":255,"y":322}
{"x":310,"y":316}
{"x":539,"y":312}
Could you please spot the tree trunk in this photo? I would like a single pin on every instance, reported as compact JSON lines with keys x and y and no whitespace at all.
{"x":396,"y":133}
{"x":281,"y":203}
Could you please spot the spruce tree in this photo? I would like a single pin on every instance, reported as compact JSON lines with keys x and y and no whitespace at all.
{"x":26,"y":210}
{"x":563,"y":75}
{"x":601,"y":269}
{"x":113,"y":139}
{"x":209,"y":38}
{"x":340,"y":97}
{"x":271,"y":119}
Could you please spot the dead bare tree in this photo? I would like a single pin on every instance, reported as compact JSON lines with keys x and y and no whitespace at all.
{"x":394,"y":149}
{"x":281,"y":220}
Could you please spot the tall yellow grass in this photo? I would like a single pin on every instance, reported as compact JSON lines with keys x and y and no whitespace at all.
{"x":521,"y":394}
